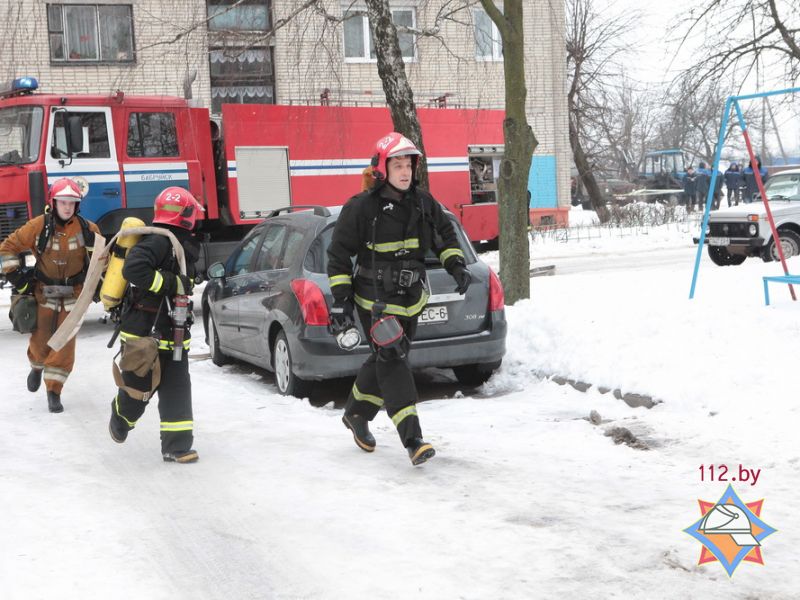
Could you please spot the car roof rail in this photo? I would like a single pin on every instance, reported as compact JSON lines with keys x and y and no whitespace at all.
{"x":320,"y":211}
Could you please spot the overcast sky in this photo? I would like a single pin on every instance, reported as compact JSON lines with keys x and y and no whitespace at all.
{"x":655,"y":59}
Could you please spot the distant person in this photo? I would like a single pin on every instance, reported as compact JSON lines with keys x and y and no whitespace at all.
{"x":733,"y":181}
{"x":690,"y":188}
{"x":750,"y":186}
{"x":703,"y":183}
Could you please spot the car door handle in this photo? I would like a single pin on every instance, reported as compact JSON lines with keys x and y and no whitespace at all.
{"x":110,"y":192}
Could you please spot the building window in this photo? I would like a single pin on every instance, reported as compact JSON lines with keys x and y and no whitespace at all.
{"x":239,"y":15}
{"x":241,"y":77}
{"x":358,"y":45}
{"x":152,"y":134}
{"x":488,"y":43}
{"x":90,"y":33}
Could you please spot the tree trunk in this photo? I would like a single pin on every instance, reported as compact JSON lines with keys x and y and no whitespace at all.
{"x":392,"y":71}
{"x":520,"y":142}
{"x":586,"y":174}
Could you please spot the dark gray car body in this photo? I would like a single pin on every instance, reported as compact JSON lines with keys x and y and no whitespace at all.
{"x":252,"y":304}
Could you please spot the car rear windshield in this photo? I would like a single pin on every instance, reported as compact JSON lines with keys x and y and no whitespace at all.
{"x":316,"y":260}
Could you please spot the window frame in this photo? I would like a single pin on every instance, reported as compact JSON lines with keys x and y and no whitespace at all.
{"x":138,"y":113}
{"x":241,"y":3}
{"x":366,"y":32}
{"x":497,"y":41}
{"x":64,"y":35}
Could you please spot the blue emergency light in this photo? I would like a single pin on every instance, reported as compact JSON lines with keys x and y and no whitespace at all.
{"x":18,"y":86}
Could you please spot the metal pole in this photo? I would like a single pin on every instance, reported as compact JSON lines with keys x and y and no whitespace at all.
{"x":764,"y":199}
{"x":715,"y":168}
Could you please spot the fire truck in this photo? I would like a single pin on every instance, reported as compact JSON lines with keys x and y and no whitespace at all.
{"x":123,"y":150}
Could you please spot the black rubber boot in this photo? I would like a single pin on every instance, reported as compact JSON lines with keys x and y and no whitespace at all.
{"x":117,"y":429}
{"x":54,"y":403}
{"x":34,"y":380}
{"x":185,"y":456}
{"x":419,"y":451}
{"x":360,"y":428}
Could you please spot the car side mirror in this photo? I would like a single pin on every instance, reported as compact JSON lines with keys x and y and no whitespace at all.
{"x":74,"y":134}
{"x":216,"y":271}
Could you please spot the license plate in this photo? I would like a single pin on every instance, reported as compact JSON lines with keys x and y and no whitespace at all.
{"x":433,"y":314}
{"x":719,"y":241}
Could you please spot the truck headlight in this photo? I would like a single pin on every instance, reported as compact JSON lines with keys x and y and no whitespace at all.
{"x":708,"y":229}
{"x":753,"y":230}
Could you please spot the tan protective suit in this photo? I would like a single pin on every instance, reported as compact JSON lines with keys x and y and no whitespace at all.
{"x":63,"y":257}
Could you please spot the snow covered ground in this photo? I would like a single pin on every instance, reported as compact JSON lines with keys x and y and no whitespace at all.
{"x":526,"y":498}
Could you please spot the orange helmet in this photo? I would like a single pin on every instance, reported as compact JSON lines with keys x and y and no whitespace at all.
{"x":176,"y":206}
{"x":65,"y":189}
{"x":391,"y":145}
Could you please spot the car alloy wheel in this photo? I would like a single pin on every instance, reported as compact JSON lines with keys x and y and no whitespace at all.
{"x":283,"y":365}
{"x":288,"y":383}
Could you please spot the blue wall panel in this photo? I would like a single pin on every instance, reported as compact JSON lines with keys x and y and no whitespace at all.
{"x":542,"y":182}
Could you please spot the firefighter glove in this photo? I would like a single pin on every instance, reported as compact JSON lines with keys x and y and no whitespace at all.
{"x":21,"y":280}
{"x":463,"y":278}
{"x":174,"y":284}
{"x":342,"y":315}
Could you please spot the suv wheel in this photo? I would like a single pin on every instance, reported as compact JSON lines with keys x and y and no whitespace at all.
{"x":288,"y":383}
{"x":720,"y":256}
{"x":217,"y":356}
{"x":790,"y":242}
{"x":472,"y":375}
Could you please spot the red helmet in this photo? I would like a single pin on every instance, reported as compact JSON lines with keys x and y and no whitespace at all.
{"x":176,"y":206}
{"x":65,"y":189}
{"x":389,"y":146}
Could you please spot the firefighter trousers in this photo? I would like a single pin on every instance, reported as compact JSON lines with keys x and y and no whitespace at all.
{"x":174,"y":404}
{"x":387,"y":380}
{"x":57,"y":365}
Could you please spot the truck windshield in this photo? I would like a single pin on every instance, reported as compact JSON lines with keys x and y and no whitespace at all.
{"x":783,"y":187}
{"x":20,"y":134}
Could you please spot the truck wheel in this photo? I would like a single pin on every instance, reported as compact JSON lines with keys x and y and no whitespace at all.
{"x":790,"y":242}
{"x":217,"y":356}
{"x":288,"y":383}
{"x":472,"y":375}
{"x":720,"y":256}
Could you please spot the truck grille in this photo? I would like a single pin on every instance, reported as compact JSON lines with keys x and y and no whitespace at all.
{"x":12,"y":217}
{"x":730,"y":229}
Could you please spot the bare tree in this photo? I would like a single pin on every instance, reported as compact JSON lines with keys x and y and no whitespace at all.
{"x":520,"y":143}
{"x":734,"y":34}
{"x":594,"y":40}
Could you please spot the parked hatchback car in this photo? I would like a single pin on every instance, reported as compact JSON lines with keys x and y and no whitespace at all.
{"x":267,"y":305}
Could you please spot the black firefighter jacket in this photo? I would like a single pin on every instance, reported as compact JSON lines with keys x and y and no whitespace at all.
{"x":400,"y":228}
{"x":151,"y":268}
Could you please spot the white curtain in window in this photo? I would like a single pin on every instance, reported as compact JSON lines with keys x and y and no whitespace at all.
{"x":115,"y":33}
{"x":81,"y":32}
{"x":224,"y":56}
{"x":234,"y":91}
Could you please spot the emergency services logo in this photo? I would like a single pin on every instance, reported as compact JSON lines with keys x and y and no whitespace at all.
{"x":731,"y":531}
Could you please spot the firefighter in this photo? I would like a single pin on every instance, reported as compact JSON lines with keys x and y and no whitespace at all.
{"x":147,"y":330}
{"x":61,"y":241}
{"x":389,"y":228}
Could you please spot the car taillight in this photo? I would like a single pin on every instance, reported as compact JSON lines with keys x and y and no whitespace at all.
{"x":497,"y":298}
{"x":312,"y":302}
